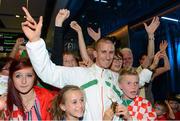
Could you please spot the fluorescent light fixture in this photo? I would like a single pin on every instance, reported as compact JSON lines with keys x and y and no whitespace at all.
{"x":170,"y":19}
{"x":102,"y":1}
{"x":17,"y":16}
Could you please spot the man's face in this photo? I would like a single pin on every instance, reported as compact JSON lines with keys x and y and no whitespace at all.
{"x":104,"y":54}
{"x":143,"y":59}
{"x":127,"y":59}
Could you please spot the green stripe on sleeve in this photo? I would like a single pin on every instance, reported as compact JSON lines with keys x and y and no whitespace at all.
{"x":114,"y":88}
{"x":89,"y":84}
{"x":117,"y":91}
{"x":108,"y":84}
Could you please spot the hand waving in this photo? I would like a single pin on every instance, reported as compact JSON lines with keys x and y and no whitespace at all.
{"x":74,"y":25}
{"x":62,"y":15}
{"x":163,"y":45}
{"x":153,"y":26}
{"x":31,"y":29}
{"x":93,"y":34}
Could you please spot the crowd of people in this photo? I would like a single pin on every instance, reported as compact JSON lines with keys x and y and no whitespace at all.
{"x":100,"y":84}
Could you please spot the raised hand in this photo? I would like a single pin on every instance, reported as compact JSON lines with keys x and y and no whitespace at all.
{"x":31,"y":29}
{"x":74,"y":25}
{"x":19,"y":41}
{"x":85,"y":63}
{"x":163,"y":45}
{"x":93,"y":34}
{"x":153,"y":26}
{"x":62,"y":15}
{"x":157,"y":57}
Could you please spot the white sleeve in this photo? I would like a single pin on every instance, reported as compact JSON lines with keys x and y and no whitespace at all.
{"x":144,"y":77}
{"x":57,"y":76}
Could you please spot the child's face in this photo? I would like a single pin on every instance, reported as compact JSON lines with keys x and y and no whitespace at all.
{"x":130,"y":86}
{"x":24,"y":80}
{"x":74,"y":104}
{"x":173,"y":104}
{"x":159,"y":110}
{"x":69,"y":60}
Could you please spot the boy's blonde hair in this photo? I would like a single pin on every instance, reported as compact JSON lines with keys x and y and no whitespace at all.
{"x":127,"y":71}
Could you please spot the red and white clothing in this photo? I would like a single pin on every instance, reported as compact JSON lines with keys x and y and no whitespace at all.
{"x":40,"y":110}
{"x":140,"y":109}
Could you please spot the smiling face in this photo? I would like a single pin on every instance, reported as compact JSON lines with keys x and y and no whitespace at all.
{"x":24,"y":80}
{"x":116,"y":63}
{"x":69,"y":60}
{"x":129,"y":84}
{"x":74,"y":104}
{"x":127,"y":58}
{"x":104,"y":54}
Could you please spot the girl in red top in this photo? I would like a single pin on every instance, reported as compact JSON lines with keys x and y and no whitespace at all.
{"x":24,"y":100}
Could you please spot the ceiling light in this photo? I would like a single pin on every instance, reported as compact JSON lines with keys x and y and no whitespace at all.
{"x":17,"y":16}
{"x":170,"y":19}
{"x":102,"y":1}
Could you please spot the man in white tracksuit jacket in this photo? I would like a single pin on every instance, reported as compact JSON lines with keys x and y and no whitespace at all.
{"x":99,"y":83}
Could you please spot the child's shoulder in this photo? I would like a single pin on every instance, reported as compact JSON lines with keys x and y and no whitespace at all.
{"x":141,"y":99}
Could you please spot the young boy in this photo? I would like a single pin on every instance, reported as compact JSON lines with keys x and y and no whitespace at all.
{"x":161,"y":109}
{"x":138,"y":107}
{"x":174,"y":104}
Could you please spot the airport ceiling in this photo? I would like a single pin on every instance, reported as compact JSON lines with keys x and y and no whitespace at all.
{"x":86,"y":12}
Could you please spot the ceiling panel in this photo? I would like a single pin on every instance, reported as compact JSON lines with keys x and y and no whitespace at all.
{"x":10,"y":8}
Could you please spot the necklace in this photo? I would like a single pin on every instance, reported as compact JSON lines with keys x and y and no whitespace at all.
{"x":29,"y":103}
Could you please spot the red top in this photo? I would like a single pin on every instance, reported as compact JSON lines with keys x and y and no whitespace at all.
{"x":163,"y":117}
{"x":177,"y":115}
{"x":141,"y":109}
{"x":43,"y":100}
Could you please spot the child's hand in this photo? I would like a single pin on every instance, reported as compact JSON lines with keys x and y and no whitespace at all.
{"x":121,"y":110}
{"x":74,"y":25}
{"x":62,"y":15}
{"x":163,"y":45}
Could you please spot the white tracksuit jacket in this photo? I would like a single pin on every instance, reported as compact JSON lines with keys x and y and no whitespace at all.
{"x":100,"y":85}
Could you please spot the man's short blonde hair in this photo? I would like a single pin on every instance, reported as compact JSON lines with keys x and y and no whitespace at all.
{"x":104,"y":39}
{"x":126,"y":50}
